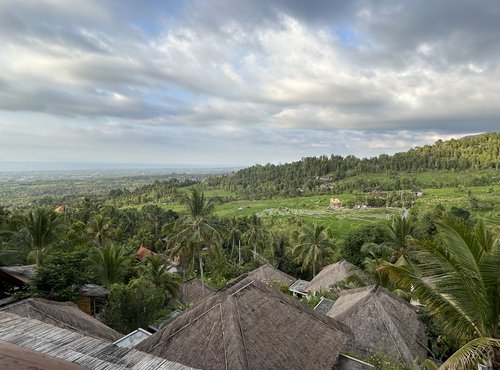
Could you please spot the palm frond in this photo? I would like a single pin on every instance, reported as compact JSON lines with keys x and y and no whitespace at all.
{"x":479,"y":350}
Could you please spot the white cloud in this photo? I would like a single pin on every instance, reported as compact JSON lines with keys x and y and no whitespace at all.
{"x":277,"y":75}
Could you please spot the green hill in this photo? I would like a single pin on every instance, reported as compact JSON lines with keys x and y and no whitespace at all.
{"x":322,"y":174}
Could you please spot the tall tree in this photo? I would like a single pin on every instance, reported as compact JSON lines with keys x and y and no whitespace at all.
{"x":459,"y":282}
{"x":99,"y":228}
{"x":314,"y":246}
{"x":399,"y":239}
{"x":40,"y":228}
{"x":196,"y":231}
{"x":155,"y":269}
{"x":256,"y":233}
{"x":110,"y":263}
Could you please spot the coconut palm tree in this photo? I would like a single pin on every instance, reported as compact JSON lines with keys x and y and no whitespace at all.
{"x":99,"y":228}
{"x":40,"y":228}
{"x":399,"y":240}
{"x":314,"y":246}
{"x":459,"y":282}
{"x":234,"y":234}
{"x":110,"y":263}
{"x":195,"y":231}
{"x":155,"y":269}
{"x":255,"y":233}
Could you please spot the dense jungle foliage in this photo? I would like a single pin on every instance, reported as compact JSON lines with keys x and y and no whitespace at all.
{"x":398,"y":235}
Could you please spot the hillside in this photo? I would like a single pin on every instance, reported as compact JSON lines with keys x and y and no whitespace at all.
{"x":479,"y":152}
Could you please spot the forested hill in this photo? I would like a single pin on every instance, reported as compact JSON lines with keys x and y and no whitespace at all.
{"x":471,"y":152}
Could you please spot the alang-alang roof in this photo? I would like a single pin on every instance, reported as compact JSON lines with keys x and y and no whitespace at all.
{"x":381,"y":323}
{"x":248,"y":325}
{"x":64,"y":315}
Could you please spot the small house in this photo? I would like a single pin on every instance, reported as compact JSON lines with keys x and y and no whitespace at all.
{"x":248,"y":325}
{"x":381,"y":323}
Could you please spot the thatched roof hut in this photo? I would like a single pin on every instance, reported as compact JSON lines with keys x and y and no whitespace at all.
{"x":18,"y":275}
{"x":73,"y":346}
{"x":271,"y":276}
{"x":193,"y":291}
{"x":331,"y":275}
{"x":63,"y":314}
{"x":248,"y":325}
{"x":382,"y":323}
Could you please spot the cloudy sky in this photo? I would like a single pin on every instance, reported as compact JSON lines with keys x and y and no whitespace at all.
{"x":238,"y":82}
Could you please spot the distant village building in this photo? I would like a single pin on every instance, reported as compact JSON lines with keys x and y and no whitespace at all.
{"x":142,"y":252}
{"x":335,"y":203}
{"x":417,"y":192}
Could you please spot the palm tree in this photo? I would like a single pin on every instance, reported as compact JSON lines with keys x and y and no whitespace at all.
{"x":279,"y":242}
{"x":314,"y":246}
{"x":459,"y":281}
{"x":256,"y":232}
{"x":195,"y":230}
{"x":234,"y":234}
{"x":110,"y":263}
{"x":99,"y":228}
{"x":155,"y":269}
{"x":40,"y":229}
{"x":399,"y":239}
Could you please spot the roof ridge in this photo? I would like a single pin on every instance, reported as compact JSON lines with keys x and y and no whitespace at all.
{"x":389,"y":324}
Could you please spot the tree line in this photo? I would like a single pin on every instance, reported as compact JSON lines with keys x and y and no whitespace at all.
{"x":469,"y":153}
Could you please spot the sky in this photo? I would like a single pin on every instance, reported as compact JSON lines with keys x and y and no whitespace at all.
{"x":239,"y":82}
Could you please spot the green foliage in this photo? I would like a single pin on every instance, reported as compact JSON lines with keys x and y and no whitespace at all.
{"x":39,"y":229}
{"x":351,"y":249}
{"x":459,"y":282}
{"x":60,"y":277}
{"x":109,"y":264}
{"x":155,"y":270}
{"x":134,"y":305}
{"x":385,"y":362}
{"x":323,"y":174}
{"x":314,"y":247}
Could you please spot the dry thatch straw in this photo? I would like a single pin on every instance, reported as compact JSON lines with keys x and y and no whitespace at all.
{"x":271,"y":276}
{"x":73,"y":346}
{"x":331,"y":275}
{"x":63,"y":314}
{"x":248,"y":325}
{"x":381,"y":323}
{"x":192,"y":291}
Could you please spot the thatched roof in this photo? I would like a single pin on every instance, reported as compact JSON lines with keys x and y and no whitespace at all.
{"x":93,"y":290}
{"x":248,"y":325}
{"x":75,"y":347}
{"x":17,"y":357}
{"x":21,"y":274}
{"x":382,"y":323}
{"x":271,"y":276}
{"x":331,"y":275}
{"x":63,"y":314}
{"x":192,"y":291}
